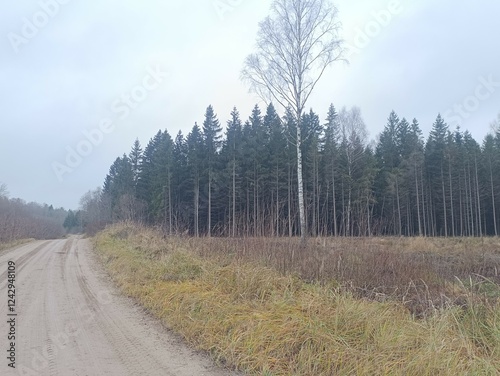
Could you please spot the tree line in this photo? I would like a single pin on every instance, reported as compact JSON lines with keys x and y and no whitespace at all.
{"x":21,"y":220}
{"x":242,"y":181}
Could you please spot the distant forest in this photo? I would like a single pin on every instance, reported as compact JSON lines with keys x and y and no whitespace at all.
{"x":21,"y":220}
{"x":242,"y":181}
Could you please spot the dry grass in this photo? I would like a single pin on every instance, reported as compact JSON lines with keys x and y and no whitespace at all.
{"x":425,"y":274}
{"x":226,"y":297}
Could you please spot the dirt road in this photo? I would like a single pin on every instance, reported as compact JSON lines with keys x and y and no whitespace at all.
{"x":71,"y":321}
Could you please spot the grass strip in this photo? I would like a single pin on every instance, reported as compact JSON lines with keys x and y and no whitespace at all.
{"x":254,"y":319}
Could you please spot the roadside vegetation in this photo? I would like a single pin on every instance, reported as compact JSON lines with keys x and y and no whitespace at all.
{"x":374,"y":306}
{"x":21,"y":220}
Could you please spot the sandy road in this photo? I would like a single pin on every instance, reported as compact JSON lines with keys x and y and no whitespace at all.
{"x":71,"y":321}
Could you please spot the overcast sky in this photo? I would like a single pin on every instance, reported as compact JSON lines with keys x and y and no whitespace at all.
{"x":115,"y":70}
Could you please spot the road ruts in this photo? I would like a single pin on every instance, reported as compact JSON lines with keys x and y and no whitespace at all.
{"x":72,"y":321}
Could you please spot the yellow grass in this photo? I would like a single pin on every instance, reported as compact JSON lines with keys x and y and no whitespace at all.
{"x":255,"y":319}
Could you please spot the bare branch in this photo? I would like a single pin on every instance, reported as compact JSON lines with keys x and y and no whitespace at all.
{"x":295,"y":45}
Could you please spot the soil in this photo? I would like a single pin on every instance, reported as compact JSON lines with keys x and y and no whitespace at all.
{"x":71,"y":320}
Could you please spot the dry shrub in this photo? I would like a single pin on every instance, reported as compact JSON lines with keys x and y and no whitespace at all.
{"x":226,"y":297}
{"x":422,"y":273}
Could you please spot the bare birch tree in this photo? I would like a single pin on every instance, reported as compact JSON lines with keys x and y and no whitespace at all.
{"x":295,"y":45}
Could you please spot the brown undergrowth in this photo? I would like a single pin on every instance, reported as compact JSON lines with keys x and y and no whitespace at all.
{"x":425,"y":274}
{"x":343,"y":308}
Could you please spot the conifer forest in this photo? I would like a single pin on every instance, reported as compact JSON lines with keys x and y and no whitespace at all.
{"x":240,"y":180}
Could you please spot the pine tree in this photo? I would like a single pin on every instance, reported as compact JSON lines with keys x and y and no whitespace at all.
{"x":212,"y":142}
{"x":147,"y":176}
{"x":491,"y":162}
{"x":181,"y":184}
{"x":135,"y":157}
{"x":388,"y":178}
{"x":436,"y":175}
{"x":352,"y":154}
{"x":311,"y":147}
{"x":231,"y":155}
{"x":330,"y":169}
{"x":413,"y":163}
{"x":246,"y":183}
{"x":277,"y":170}
{"x":119,"y":188}
{"x":162,"y":186}
{"x":195,"y":161}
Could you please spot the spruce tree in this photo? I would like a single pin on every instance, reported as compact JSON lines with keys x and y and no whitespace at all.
{"x":330,"y":161}
{"x":276,"y":170}
{"x":135,"y":157}
{"x":195,"y":165}
{"x":231,"y":153}
{"x":212,"y":142}
{"x":435,"y":166}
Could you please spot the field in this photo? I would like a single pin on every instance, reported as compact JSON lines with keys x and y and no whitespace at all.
{"x":377,"y":306}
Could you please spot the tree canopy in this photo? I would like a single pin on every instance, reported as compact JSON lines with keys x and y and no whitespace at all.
{"x":242,"y":181}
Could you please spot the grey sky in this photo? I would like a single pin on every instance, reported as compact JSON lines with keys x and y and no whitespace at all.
{"x":83,"y":69}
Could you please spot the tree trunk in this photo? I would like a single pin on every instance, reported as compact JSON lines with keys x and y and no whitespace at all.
{"x":418,"y":202}
{"x":478,"y":201}
{"x":423,"y":202}
{"x":462,"y":225}
{"x":303,"y":227}
{"x":493,"y":201}
{"x":169,"y":205}
{"x":368,"y":215}
{"x":399,"y":207}
{"x":289,"y":201}
{"x":471,"y":207}
{"x":451,"y":201}
{"x":209,"y":230}
{"x":277,"y":202}
{"x":334,"y":202}
{"x":234,"y":200}
{"x":197,"y":207}
{"x":444,"y":203}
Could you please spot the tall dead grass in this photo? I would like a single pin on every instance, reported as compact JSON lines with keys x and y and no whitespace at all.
{"x":260,"y":306}
{"x":425,"y":274}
